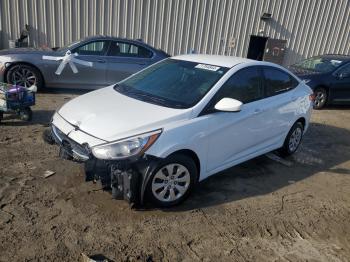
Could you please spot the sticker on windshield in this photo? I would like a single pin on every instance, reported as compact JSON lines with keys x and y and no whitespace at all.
{"x":335,"y":62}
{"x":207,"y":67}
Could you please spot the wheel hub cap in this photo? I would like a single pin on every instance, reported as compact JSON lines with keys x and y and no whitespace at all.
{"x":320,"y":98}
{"x":171,"y":182}
{"x":295,"y":139}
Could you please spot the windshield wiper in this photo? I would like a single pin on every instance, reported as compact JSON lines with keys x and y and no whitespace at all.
{"x":126,"y":90}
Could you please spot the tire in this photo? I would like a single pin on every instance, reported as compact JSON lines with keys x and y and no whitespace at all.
{"x":25,"y":114}
{"x":25,"y":75}
{"x":1,"y":116}
{"x":295,"y":134}
{"x":161,"y":184}
{"x":321,"y":97}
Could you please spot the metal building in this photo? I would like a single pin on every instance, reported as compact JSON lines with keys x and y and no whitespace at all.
{"x":231,"y":27}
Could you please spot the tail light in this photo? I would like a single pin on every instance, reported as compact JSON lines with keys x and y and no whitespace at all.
{"x":312,"y":97}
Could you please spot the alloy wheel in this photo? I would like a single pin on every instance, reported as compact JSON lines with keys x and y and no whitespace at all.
{"x":320,"y":99}
{"x":171,"y":182}
{"x":24,"y":77}
{"x":295,"y":139}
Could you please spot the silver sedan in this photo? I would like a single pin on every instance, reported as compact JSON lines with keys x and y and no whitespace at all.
{"x":103,"y":61}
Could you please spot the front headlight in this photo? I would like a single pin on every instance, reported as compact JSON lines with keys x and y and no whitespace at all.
{"x":126,"y":147}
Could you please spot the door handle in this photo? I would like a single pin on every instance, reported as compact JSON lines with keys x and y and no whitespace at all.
{"x":257,"y":111}
{"x":101,"y":61}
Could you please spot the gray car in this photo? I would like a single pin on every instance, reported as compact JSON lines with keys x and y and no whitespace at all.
{"x":112,"y":59}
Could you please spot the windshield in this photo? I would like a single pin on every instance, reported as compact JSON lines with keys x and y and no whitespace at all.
{"x":319,"y":64}
{"x":172,"y":83}
{"x":67,"y":47}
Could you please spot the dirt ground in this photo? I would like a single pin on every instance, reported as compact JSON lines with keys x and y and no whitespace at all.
{"x":261,"y":210}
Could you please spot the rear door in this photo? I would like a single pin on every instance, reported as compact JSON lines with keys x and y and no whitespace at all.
{"x":125,"y":58}
{"x":340,"y":87}
{"x":86,"y":77}
{"x":280,"y":102}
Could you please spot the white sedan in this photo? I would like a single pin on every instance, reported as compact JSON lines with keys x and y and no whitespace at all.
{"x":181,"y":120}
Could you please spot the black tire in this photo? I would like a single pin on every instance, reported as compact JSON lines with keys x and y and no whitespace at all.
{"x":287,"y":149}
{"x":25,"y":114}
{"x":34,"y":76}
{"x":1,"y":116}
{"x":321,"y":97}
{"x":180,"y":160}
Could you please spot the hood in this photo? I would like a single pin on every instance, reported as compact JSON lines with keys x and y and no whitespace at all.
{"x":303,"y":73}
{"x":110,"y":115}
{"x":39,"y":51}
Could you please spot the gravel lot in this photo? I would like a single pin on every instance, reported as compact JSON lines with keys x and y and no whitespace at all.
{"x":261,"y":210}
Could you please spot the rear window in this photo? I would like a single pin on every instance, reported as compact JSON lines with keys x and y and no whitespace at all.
{"x":128,"y":50}
{"x":277,"y":81}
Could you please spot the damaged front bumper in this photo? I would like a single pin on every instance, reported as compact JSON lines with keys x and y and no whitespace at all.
{"x":127,"y":179}
{"x":69,"y":149}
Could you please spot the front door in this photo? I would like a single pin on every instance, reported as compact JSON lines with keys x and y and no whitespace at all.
{"x":87,"y":77}
{"x":340,"y":87}
{"x":236,"y":135}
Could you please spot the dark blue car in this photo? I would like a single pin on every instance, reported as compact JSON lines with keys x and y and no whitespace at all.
{"x":328,"y":76}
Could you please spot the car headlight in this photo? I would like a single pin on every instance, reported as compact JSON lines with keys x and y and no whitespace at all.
{"x":125,"y":148}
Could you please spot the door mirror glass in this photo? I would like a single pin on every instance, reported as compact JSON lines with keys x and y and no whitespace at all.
{"x":343,"y":75}
{"x":228,"y":105}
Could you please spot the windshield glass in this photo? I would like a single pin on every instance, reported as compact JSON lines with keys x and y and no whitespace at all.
{"x":172,"y":83}
{"x":319,"y":64}
{"x":65,"y":48}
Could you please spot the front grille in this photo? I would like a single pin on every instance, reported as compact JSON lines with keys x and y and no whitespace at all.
{"x":76,"y":150}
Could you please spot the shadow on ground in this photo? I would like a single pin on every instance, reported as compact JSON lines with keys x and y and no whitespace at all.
{"x":40,"y":117}
{"x":71,"y":91}
{"x":337,"y":107}
{"x":323,"y":148}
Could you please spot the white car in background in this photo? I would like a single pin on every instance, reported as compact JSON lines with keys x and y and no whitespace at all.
{"x":181,"y":120}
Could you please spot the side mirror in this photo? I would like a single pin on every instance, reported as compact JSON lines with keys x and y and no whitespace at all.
{"x":343,"y":75}
{"x":228,"y":105}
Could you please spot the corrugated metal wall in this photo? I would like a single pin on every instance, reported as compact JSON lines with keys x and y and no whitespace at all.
{"x":177,"y":26}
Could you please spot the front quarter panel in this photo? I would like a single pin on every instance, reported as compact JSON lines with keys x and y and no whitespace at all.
{"x":184,"y":135}
{"x":46,"y":67}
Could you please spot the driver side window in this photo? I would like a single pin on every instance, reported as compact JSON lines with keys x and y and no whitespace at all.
{"x":244,"y":85}
{"x":345,"y":70}
{"x":92,"y":48}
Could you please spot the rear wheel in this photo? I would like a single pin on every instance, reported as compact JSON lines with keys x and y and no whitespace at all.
{"x":172,"y":181}
{"x":24,"y":75}
{"x":25,"y":114}
{"x":293,"y":139}
{"x":320,"y":97}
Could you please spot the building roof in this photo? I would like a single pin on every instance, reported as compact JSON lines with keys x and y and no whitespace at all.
{"x":218,"y":60}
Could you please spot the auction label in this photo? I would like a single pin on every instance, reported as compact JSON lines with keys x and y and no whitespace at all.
{"x":207,"y":67}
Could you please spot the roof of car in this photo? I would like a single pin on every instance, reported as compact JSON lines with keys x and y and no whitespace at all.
{"x":218,"y":60}
{"x":106,"y":37}
{"x":336,"y":57}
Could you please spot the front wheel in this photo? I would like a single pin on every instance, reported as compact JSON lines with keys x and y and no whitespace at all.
{"x":293,"y":139}
{"x":172,"y":181}
{"x":25,"y":75}
{"x":320,"y":98}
